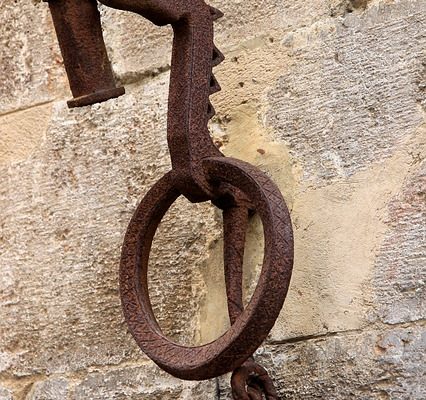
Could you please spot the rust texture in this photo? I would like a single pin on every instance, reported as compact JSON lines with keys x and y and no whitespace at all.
{"x":200,"y":172}
{"x":78,"y":28}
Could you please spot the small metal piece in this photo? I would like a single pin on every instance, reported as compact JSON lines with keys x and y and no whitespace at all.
{"x":218,"y":57}
{"x":200,"y":172}
{"x":251,"y":381}
{"x":78,"y":28}
{"x":214,"y":85}
{"x":235,"y":220}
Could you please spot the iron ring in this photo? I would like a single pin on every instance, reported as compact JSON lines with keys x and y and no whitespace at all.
{"x":251,"y":328}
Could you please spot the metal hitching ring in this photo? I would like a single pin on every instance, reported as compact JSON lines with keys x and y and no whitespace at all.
{"x":231,"y":349}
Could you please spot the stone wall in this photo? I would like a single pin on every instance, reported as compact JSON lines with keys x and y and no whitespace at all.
{"x":327,"y":97}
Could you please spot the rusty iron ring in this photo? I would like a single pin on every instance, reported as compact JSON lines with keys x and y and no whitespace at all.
{"x":234,"y":347}
{"x":251,"y":381}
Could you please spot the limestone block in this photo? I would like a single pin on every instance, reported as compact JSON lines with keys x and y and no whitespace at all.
{"x":22,"y":132}
{"x":139,"y":383}
{"x":339,"y":208}
{"x":61,"y":236}
{"x":31,"y":65}
{"x":400,"y":273}
{"x":351,"y":91}
{"x":361,"y":365}
{"x":145,"y":49}
{"x":49,"y":389}
{"x":338,"y":230}
{"x":5,"y":394}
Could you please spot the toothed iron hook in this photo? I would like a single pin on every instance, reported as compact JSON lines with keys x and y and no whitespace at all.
{"x":200,"y":172}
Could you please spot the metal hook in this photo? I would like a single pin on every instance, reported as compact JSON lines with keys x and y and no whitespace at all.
{"x":200,"y":172}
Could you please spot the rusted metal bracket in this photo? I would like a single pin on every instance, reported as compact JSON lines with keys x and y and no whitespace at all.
{"x":200,"y":172}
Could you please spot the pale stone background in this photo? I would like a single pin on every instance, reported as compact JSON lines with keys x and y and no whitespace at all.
{"x":328,"y":97}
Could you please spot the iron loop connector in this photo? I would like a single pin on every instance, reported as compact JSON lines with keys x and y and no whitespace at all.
{"x":251,"y":381}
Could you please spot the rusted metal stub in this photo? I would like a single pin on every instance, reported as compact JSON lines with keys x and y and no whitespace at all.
{"x":78,"y":28}
{"x":199,"y":172}
{"x":250,"y":381}
{"x":235,"y":220}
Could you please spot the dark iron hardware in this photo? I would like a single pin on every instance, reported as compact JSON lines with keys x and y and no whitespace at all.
{"x":200,"y":172}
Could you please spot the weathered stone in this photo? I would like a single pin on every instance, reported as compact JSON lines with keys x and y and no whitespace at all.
{"x":50,"y":389}
{"x":326,"y":259}
{"x":5,"y":394}
{"x":400,"y":272}
{"x":22,"y":132}
{"x":61,"y":237}
{"x":142,"y":54}
{"x":31,"y":66}
{"x":139,"y":383}
{"x":347,"y":97}
{"x":363,"y":365}
{"x":147,"y":49}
